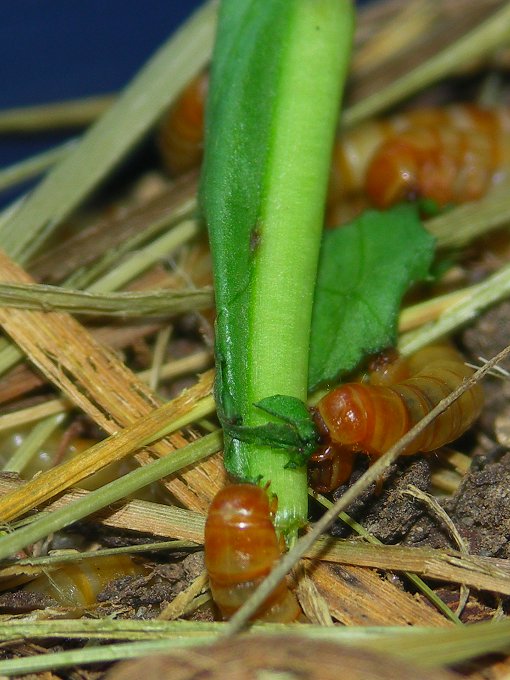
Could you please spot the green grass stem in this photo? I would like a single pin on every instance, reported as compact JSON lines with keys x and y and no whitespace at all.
{"x":47,"y":523}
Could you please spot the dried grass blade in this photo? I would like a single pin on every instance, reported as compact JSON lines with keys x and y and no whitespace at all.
{"x":142,"y":222}
{"x":48,"y":523}
{"x":178,"y":606}
{"x":438,"y":648}
{"x":462,"y":308}
{"x":31,"y":414}
{"x":127,"y":305}
{"x":144,"y":517}
{"x":358,"y":596}
{"x":192,"y":364}
{"x":482,"y":573}
{"x":419,"y":584}
{"x":313,"y":604}
{"x":54,"y":115}
{"x":423,"y":647}
{"x":461,"y":225}
{"x":33,"y":166}
{"x":487,"y":36}
{"x":22,"y":379}
{"x":48,"y":484}
{"x":91,"y":376}
{"x":140,"y":260}
{"x":134,"y":629}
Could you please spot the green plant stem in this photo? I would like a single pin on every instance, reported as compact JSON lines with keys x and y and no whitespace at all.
{"x":263,"y":194}
{"x":290,"y":230}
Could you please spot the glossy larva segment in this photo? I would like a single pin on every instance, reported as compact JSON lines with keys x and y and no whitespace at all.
{"x":241,"y":548}
{"x":77,"y":584}
{"x":371,"y":418}
{"x":181,"y":132}
{"x":449,"y":154}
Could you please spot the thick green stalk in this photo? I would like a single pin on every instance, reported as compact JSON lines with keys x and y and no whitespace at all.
{"x":278,"y":71}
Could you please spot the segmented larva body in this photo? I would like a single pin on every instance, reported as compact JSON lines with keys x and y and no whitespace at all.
{"x":241,"y":548}
{"x":78,"y":584}
{"x":181,"y":133}
{"x":449,"y":154}
{"x":371,"y":418}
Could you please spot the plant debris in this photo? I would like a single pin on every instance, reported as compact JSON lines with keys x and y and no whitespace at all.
{"x":97,"y":379}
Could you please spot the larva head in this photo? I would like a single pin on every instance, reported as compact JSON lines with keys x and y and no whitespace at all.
{"x":240,"y":540}
{"x":392,"y":174}
{"x":330,"y":467}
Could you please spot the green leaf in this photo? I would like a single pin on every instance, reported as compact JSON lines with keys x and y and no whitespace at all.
{"x":292,"y":411}
{"x":365,"y":268}
{"x":294,"y":432}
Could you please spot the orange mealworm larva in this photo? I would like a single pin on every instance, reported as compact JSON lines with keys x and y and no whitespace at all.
{"x":181,"y":133}
{"x":371,"y":418}
{"x":78,"y":584}
{"x":445,"y":165}
{"x":449,"y":154}
{"x":241,"y":548}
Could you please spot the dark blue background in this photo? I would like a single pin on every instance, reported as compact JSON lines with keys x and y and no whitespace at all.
{"x":52,"y":50}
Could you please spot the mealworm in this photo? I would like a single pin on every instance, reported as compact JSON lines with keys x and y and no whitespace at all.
{"x":371,"y":418}
{"x":449,"y":154}
{"x":78,"y":584}
{"x":241,"y":548}
{"x":181,"y":132}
